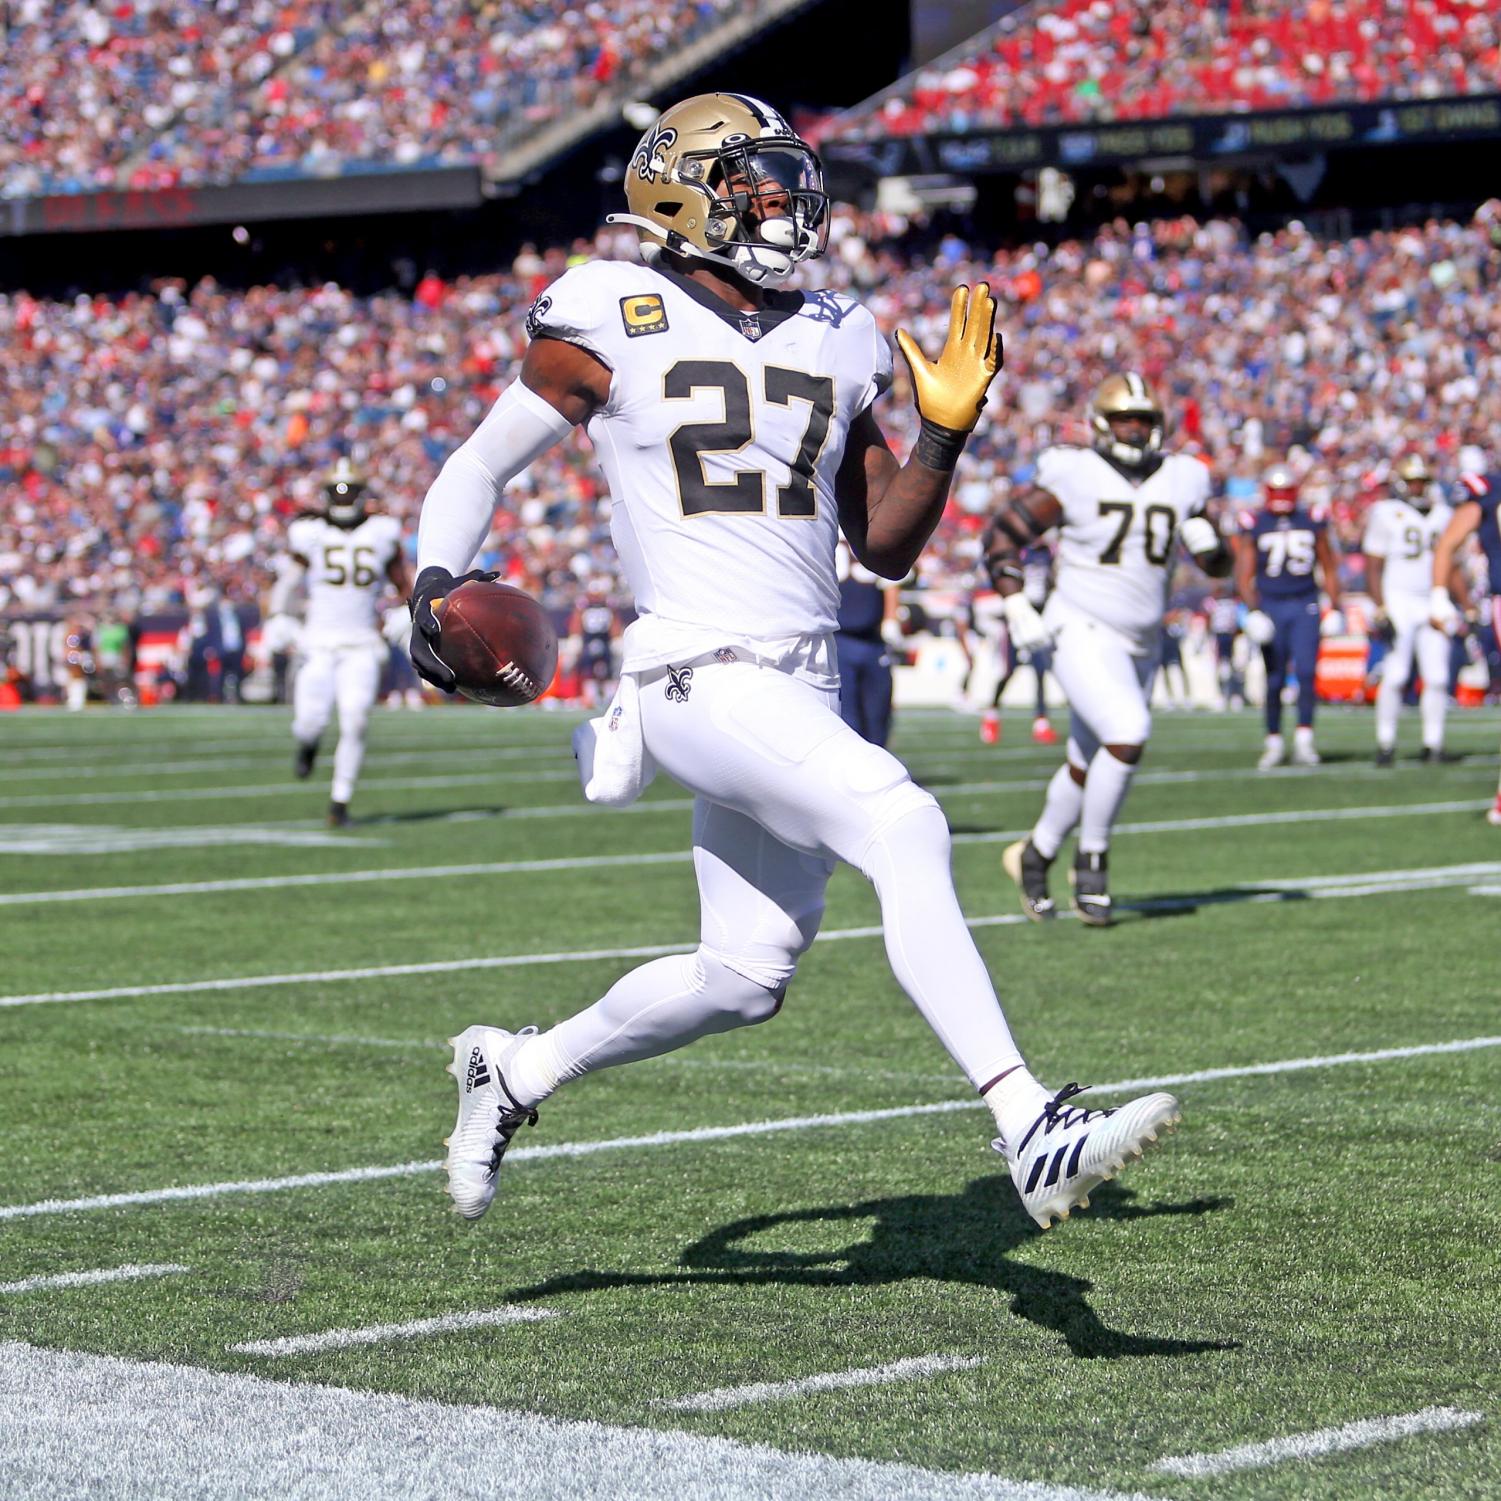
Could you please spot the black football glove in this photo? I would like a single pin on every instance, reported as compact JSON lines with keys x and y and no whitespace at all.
{"x":432,"y":587}
{"x":1383,"y":630}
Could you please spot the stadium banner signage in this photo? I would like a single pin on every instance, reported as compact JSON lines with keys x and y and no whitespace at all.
{"x":1204,"y":137}
{"x":246,"y":202}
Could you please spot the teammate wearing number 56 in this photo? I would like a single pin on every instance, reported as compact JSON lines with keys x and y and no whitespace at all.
{"x":734,"y":423}
{"x":1120,"y":508}
{"x":346,"y":558}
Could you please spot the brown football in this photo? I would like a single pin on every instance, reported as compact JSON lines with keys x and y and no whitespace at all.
{"x":499,"y":643}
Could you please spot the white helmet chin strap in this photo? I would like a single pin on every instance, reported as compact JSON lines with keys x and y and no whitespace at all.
{"x":757,"y":263}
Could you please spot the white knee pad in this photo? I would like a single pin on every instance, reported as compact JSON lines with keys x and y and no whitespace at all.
{"x":743,"y":992}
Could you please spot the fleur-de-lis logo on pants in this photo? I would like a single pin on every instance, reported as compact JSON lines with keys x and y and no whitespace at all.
{"x":679,"y":684}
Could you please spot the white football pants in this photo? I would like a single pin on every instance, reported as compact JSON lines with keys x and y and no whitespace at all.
{"x":784,"y":788}
{"x":1415,"y":640}
{"x":1108,"y":687}
{"x":348,"y":676}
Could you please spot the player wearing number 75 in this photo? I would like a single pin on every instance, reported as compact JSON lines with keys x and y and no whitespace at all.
{"x":734,"y":422}
{"x":1120,"y":508}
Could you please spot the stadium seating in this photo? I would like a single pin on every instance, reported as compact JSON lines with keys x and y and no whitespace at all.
{"x":138,"y":96}
{"x":1071,"y":61}
{"x":156,"y":444}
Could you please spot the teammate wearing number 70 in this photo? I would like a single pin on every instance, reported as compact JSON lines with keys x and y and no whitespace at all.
{"x":734,"y":422}
{"x":1120,"y":509}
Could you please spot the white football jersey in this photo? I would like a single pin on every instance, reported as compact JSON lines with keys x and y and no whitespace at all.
{"x":720,"y":441}
{"x":1405,"y":536}
{"x":346,"y":576}
{"x":1117,"y":536}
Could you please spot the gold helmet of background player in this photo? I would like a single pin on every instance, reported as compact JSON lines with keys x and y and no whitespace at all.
{"x":1412,"y":481}
{"x":1126,"y":395}
{"x":724,"y":178}
{"x":344,"y":494}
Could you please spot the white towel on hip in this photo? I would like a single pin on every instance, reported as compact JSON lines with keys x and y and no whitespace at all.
{"x":615,"y":766}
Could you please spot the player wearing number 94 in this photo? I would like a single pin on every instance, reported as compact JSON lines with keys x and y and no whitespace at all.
{"x":1120,"y":507}
{"x":734,"y":422}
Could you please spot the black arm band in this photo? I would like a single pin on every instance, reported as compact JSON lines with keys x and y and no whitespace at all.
{"x":938,"y":447}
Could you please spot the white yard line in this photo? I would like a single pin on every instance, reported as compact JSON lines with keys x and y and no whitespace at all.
{"x":711,"y":1133}
{"x":580,"y":807}
{"x":93,"y":1279}
{"x":563,"y":772}
{"x":73,"y":1424}
{"x":912,"y":1369}
{"x":1374,"y":884}
{"x":375,"y":1334}
{"x":1323,"y":1441}
{"x":668,"y":857}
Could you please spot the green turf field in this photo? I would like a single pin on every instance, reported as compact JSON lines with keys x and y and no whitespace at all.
{"x":206,"y":990}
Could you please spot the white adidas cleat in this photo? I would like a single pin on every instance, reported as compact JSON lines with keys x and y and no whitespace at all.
{"x":489,"y":1115}
{"x":1304,"y":754}
{"x":1069,"y":1151}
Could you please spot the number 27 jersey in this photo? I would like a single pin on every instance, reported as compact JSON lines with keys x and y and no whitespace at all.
{"x":720,"y":440}
{"x":1116,"y":539}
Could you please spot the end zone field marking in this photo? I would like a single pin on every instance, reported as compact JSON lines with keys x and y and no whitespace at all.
{"x":709,"y":1133}
{"x":1373,"y":883}
{"x":912,"y":1369}
{"x":375,"y":1334}
{"x":73,"y":1424}
{"x":92,"y":1279}
{"x":1323,"y":1441}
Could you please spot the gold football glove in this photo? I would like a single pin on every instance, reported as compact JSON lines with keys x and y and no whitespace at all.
{"x":951,"y":392}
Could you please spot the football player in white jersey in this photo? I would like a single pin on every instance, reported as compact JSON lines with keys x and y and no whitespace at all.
{"x":1120,"y":507}
{"x":1399,"y":542}
{"x":733,"y":421}
{"x":346,"y":558}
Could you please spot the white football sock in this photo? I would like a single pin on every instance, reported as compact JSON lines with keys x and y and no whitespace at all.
{"x":1388,"y":707}
{"x":1060,"y":812}
{"x":1104,"y":792}
{"x":1015,"y":1102}
{"x":931,"y":950}
{"x":1433,"y":704}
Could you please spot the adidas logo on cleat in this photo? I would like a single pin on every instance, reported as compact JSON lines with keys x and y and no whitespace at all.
{"x":478,"y":1075}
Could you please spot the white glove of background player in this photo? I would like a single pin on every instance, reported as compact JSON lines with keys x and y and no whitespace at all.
{"x":397,"y":626}
{"x":1333,"y":623}
{"x":1028,"y":629}
{"x":892,"y":635}
{"x":1259,"y":628}
{"x":1443,"y":614}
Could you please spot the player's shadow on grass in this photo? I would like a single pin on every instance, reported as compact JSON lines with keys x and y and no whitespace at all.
{"x":1186,"y":903}
{"x":964,"y":1238}
{"x":436,"y":815}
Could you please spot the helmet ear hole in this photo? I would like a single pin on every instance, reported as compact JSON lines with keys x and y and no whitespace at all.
{"x":667,"y":210}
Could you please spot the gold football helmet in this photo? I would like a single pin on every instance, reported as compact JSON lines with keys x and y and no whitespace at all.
{"x":344,"y":494}
{"x":1412,"y":481}
{"x":1126,"y":395}
{"x":724,"y":178}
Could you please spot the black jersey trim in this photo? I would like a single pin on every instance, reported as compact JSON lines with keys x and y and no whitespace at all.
{"x":780,"y":306}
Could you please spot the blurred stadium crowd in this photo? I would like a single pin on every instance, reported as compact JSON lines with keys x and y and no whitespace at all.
{"x":156,"y":444}
{"x":1097,"y":60}
{"x":157,"y":93}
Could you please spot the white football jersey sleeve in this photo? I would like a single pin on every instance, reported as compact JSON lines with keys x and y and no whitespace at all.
{"x":720,"y":441}
{"x":1405,"y":536}
{"x":1116,"y":542}
{"x":346,"y":577}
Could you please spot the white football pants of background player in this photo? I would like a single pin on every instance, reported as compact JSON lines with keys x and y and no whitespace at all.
{"x":1109,"y":691}
{"x":346,"y":676}
{"x":1415,"y":638}
{"x":784,"y":788}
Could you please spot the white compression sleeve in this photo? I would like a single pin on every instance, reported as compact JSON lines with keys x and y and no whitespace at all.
{"x":456,"y":514}
{"x":288,"y":576}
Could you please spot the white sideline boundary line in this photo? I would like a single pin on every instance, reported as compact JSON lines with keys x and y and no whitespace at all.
{"x":130,"y":1273}
{"x":74,"y":1424}
{"x":1376,"y":883}
{"x":669,"y":857}
{"x":710,"y":1133}
{"x":914,"y":1368}
{"x":376,"y":1334}
{"x":1322,"y":1441}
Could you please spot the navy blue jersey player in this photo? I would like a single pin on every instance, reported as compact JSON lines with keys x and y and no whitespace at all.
{"x":1477,"y":510}
{"x":1280,"y":551}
